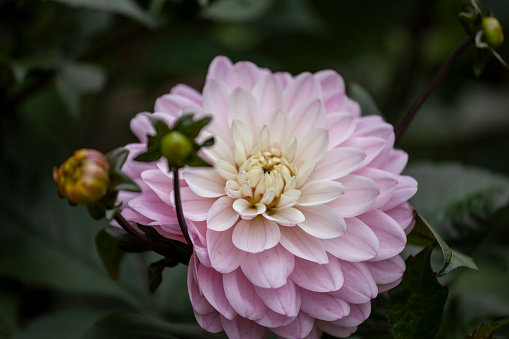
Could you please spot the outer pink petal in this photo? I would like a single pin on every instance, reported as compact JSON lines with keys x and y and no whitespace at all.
{"x":385,"y":181}
{"x":273,"y":320}
{"x":172,"y":104}
{"x":205,"y":182}
{"x":284,"y":300}
{"x":210,"y":322}
{"x":222,"y":216}
{"x":404,"y":216}
{"x":372,"y":146}
{"x":298,"y":328}
{"x":160,"y":183}
{"x":198,"y":301}
{"x":242,"y":328}
{"x":395,"y":161}
{"x":215,"y":98}
{"x":141,"y":126}
{"x":360,"y":194}
{"x":318,"y":278}
{"x":387,"y":271}
{"x":322,"y":222}
{"x":407,"y":186}
{"x":331,"y":82}
{"x":338,"y":162}
{"x":303,"y":245}
{"x":324,"y":306}
{"x":336,"y":331}
{"x":341,"y":126}
{"x":358,"y":314}
{"x":187,"y":92}
{"x":224,"y":256}
{"x":244,"y":74}
{"x":359,"y":286}
{"x":219,"y":68}
{"x":242,"y":296}
{"x":270,"y":268}
{"x":386,"y":287}
{"x":195,"y":207}
{"x":256,"y":235}
{"x":319,"y":192}
{"x":302,"y":87}
{"x":149,"y":205}
{"x":390,"y":235}
{"x":308,"y":114}
{"x":359,"y":243}
{"x":336,"y":102}
{"x":269,"y":93}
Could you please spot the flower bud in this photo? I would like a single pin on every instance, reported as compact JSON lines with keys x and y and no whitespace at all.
{"x":492,"y":31}
{"x":83,"y":178}
{"x":175,"y":147}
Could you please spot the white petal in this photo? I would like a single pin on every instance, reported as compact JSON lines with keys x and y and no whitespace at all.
{"x":307,"y":115}
{"x":205,"y":182}
{"x":232,"y":189}
{"x":219,"y":68}
{"x":311,"y":146}
{"x":221,"y":215}
{"x":225,"y":169}
{"x":256,"y":235}
{"x":244,"y":74}
{"x":215,"y":98}
{"x":270,"y":268}
{"x":304,"y":174}
{"x":289,"y":198}
{"x":322,"y":222}
{"x":243,"y":106}
{"x":279,"y":127}
{"x":242,"y":136}
{"x":320,"y":192}
{"x":338,"y":162}
{"x":219,"y":151}
{"x":269,"y":93}
{"x":287,"y":216}
{"x":360,"y":194}
{"x":247,"y":210}
{"x":303,"y":245}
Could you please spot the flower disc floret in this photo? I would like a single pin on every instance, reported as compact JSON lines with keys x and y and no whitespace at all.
{"x":300,"y":222}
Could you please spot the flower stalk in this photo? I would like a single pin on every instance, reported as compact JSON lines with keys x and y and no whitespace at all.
{"x":178,"y":206}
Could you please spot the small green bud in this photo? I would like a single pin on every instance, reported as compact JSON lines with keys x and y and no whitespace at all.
{"x":175,"y":147}
{"x":84,"y":177}
{"x":492,"y":31}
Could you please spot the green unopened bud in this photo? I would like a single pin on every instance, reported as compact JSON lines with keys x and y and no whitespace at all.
{"x":492,"y":30}
{"x":83,"y":178}
{"x":175,"y":147}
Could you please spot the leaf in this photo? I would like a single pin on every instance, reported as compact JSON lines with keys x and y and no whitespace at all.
{"x":365,"y":100}
{"x":125,"y":241}
{"x":485,"y":331}
{"x":136,"y":326}
{"x":459,"y":201}
{"x":423,"y":231}
{"x":155,"y":271}
{"x":417,"y":303}
{"x":180,"y":251}
{"x":128,"y":8}
{"x":110,"y":254}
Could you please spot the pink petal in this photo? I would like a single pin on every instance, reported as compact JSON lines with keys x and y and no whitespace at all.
{"x":390,"y":235}
{"x":389,"y":286}
{"x":385,"y":181}
{"x":287,"y":216}
{"x":387,"y":271}
{"x":284,"y":78}
{"x":358,"y":314}
{"x":308,"y":114}
{"x":244,"y":74}
{"x":215,"y":98}
{"x":221,"y":215}
{"x":320,"y":192}
{"x":242,"y":328}
{"x":360,"y":194}
{"x":324,"y":306}
{"x":272,"y":319}
{"x":395,"y":161}
{"x":318,"y":278}
{"x":269,"y":93}
{"x":195,"y":207}
{"x":299,"y":328}
{"x":303,"y":245}
{"x":242,"y":106}
{"x":148,"y":204}
{"x":359,"y":243}
{"x":341,"y":126}
{"x":359,"y":286}
{"x":330,"y":81}
{"x":406,"y":188}
{"x":270,"y":268}
{"x":372,"y":146}
{"x":256,"y":235}
{"x":211,"y":285}
{"x":336,"y":331}
{"x":172,"y":104}
{"x":219,"y":68}
{"x":205,"y":182}
{"x":302,"y":87}
{"x":284,"y":300}
{"x":224,"y":256}
{"x":374,"y":126}
{"x":141,"y":126}
{"x":242,"y":296}
{"x":279,"y":127}
{"x":338,"y":162}
{"x":198,"y":301}
{"x":210,"y":322}
{"x":335,"y":102}
{"x":322,"y":222}
{"x":188,"y":93}
{"x":160,"y":183}
{"x":219,"y":151}
{"x":404,"y":216}
{"x":311,"y":146}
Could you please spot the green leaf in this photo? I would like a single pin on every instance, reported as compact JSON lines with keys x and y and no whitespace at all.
{"x":365,"y":100}
{"x":194,"y":160}
{"x":459,"y":201}
{"x":416,"y":304}
{"x":128,"y":8}
{"x":110,"y":254}
{"x":485,"y":331}
{"x":125,"y":241}
{"x":181,"y":252}
{"x":136,"y":326}
{"x":195,"y":128}
{"x":424,"y":232}
{"x":155,"y":271}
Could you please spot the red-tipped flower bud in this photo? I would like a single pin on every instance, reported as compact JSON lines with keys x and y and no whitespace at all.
{"x":83,"y":178}
{"x":492,"y":30}
{"x":175,"y":147}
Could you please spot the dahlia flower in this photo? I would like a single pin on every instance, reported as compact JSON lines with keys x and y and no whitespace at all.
{"x":300,"y":222}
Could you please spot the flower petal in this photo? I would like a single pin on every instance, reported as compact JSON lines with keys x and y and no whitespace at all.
{"x":242,"y":296}
{"x":195,"y":207}
{"x":303,"y":86}
{"x":359,"y":243}
{"x":219,"y":68}
{"x":360,"y":194}
{"x":298,"y":328}
{"x":242,"y":106}
{"x":322,"y":222}
{"x":284,"y":300}
{"x":215,"y":99}
{"x":222,"y":216}
{"x":149,"y":205}
{"x":256,"y":235}
{"x":224,"y":256}
{"x":287,"y":216}
{"x":318,"y":278}
{"x":246,"y":210}
{"x":324,"y":306}
{"x":198,"y":301}
{"x":336,"y":331}
{"x":338,"y":162}
{"x":308,"y":114}
{"x":311,"y":146}
{"x":385,"y":181}
{"x":279,"y":127}
{"x":270,"y":268}
{"x":406,"y":188}
{"x":172,"y":104}
{"x":160,"y":183}
{"x":387,"y":271}
{"x":341,"y":126}
{"x":303,"y":245}
{"x":358,"y":313}
{"x":372,"y":146}
{"x":242,"y":328}
{"x":269,"y":93}
{"x":210,"y":322}
{"x":320,"y":192}
{"x":205,"y":182}
{"x":244,"y":74}
{"x":359,"y":286}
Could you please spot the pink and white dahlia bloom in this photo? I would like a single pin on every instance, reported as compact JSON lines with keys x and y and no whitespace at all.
{"x":300,"y":222}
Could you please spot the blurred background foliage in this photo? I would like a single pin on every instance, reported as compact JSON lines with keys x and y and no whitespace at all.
{"x":74,"y":72}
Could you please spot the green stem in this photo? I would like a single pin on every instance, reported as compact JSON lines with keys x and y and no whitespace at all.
{"x":436,"y":80}
{"x":178,"y":206}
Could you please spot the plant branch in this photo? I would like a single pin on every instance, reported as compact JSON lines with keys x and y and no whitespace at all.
{"x":178,"y":206}
{"x":436,"y":80}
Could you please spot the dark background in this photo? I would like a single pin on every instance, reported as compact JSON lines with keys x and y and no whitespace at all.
{"x":73,"y":76}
